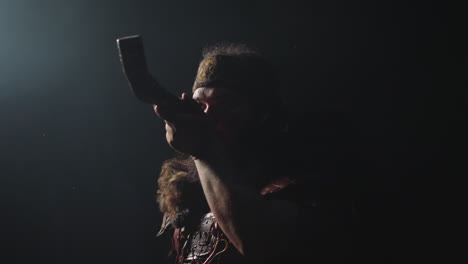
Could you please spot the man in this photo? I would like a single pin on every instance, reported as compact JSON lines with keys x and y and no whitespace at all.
{"x":232,"y":197}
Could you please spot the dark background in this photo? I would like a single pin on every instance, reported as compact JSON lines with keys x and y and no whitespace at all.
{"x":79,"y":155}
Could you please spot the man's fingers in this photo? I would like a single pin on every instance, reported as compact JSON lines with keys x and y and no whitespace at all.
{"x":163,"y":112}
{"x":169,"y":127}
{"x":159,"y":111}
{"x":155,"y":107}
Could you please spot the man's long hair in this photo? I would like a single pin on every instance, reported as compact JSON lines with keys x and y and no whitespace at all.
{"x":179,"y":191}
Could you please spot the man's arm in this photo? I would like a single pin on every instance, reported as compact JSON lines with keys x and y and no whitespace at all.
{"x":257,"y":227}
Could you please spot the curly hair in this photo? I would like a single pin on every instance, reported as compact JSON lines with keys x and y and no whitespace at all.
{"x":228,"y":49}
{"x":179,"y":189}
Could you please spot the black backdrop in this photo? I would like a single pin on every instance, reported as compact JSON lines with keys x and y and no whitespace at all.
{"x":80,"y":155}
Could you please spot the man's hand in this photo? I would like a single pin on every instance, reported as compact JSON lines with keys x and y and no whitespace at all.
{"x":188,"y":133}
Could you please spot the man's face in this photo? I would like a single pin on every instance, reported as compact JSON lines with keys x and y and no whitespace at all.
{"x":230,"y":111}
